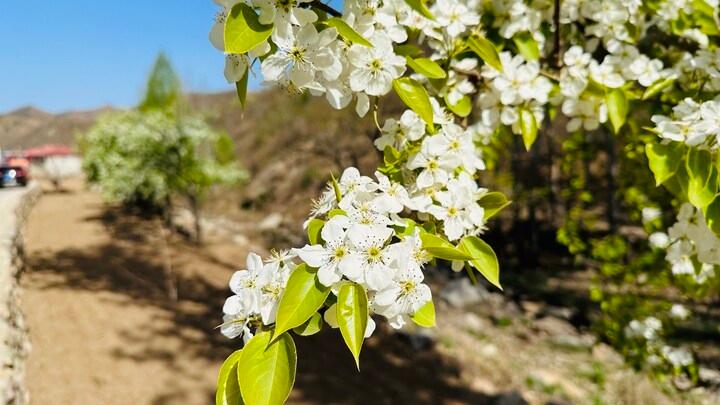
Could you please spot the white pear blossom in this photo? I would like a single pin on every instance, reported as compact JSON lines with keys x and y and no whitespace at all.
{"x":397,"y":133}
{"x":375,"y":68}
{"x":283,"y":14}
{"x":458,"y":208}
{"x":369,"y":243}
{"x":454,"y":16}
{"x":335,"y":258}
{"x":235,"y":67}
{"x":404,"y":294}
{"x":392,"y":198}
{"x":300,"y":55}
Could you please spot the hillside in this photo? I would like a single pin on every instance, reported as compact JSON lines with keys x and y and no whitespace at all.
{"x":289,"y":142}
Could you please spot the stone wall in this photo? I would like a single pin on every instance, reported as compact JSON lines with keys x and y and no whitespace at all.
{"x":15,"y":204}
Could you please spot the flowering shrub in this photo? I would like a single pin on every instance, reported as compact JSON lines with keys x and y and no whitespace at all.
{"x":469,"y":72}
{"x":146,"y":158}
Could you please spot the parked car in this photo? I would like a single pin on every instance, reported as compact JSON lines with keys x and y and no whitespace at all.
{"x":14,"y":171}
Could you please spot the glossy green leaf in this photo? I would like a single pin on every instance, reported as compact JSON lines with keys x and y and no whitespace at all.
{"x":241,"y":87}
{"x":485,"y":260}
{"x":414,"y":95}
{"x":243,"y":31}
{"x":493,"y":202}
{"x":347,"y":32}
{"x":425,"y":316}
{"x":426,"y":67}
{"x":442,"y":249}
{"x":266,"y":370}
{"x":227,"y":391}
{"x":462,"y":108}
{"x":486,"y":51}
{"x":527,"y":46}
{"x":420,"y":7}
{"x":528,"y":127}
{"x":313,"y":230}
{"x":311,"y":326}
{"x":702,"y":184}
{"x":657,"y":87}
{"x":664,"y":160}
{"x":352,"y":316}
{"x":617,"y":105}
{"x":303,"y":296}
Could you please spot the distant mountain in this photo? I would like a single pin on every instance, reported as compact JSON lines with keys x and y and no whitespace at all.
{"x":28,"y":127}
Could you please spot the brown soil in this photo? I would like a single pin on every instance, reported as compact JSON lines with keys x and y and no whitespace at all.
{"x":101,"y":327}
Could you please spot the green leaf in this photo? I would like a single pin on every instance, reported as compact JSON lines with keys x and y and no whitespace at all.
{"x":408,"y":230}
{"x":426,"y":67}
{"x":493,"y":202}
{"x":657,"y":87}
{"x":410,"y":50}
{"x":352,"y":316}
{"x":484,"y":260}
{"x":243,"y":31}
{"x":527,"y":46}
{"x":303,"y":296}
{"x":462,"y":108}
{"x":336,"y":188}
{"x":617,"y":105}
{"x":425,"y":316}
{"x":228,"y":390}
{"x":442,"y":249}
{"x":420,"y":7}
{"x":347,"y":31}
{"x":712,"y":215}
{"x":336,"y":212}
{"x":266,"y":370}
{"x":313,"y":230}
{"x":664,"y":160}
{"x":414,"y":95}
{"x":528,"y":127}
{"x":311,"y":326}
{"x":702,"y":184}
{"x":241,"y":88}
{"x":486,"y":51}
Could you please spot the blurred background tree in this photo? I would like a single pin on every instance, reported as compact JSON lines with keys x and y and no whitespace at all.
{"x":160,"y":152}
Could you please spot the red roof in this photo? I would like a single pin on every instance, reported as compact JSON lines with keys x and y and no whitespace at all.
{"x":47,"y":150}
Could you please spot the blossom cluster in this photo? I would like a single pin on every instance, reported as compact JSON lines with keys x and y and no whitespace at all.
{"x":649,"y":331}
{"x":257,"y":291}
{"x":358,"y":243}
{"x":692,"y":123}
{"x":692,"y":248}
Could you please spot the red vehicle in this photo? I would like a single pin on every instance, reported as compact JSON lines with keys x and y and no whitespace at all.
{"x":14,"y":171}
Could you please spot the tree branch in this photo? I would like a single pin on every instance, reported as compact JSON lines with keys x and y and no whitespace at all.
{"x":324,"y":7}
{"x":557,"y":59}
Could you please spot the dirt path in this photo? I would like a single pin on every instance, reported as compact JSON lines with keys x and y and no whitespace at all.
{"x":101,"y":329}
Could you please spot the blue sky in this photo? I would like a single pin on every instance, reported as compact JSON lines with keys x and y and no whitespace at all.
{"x":78,"y":54}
